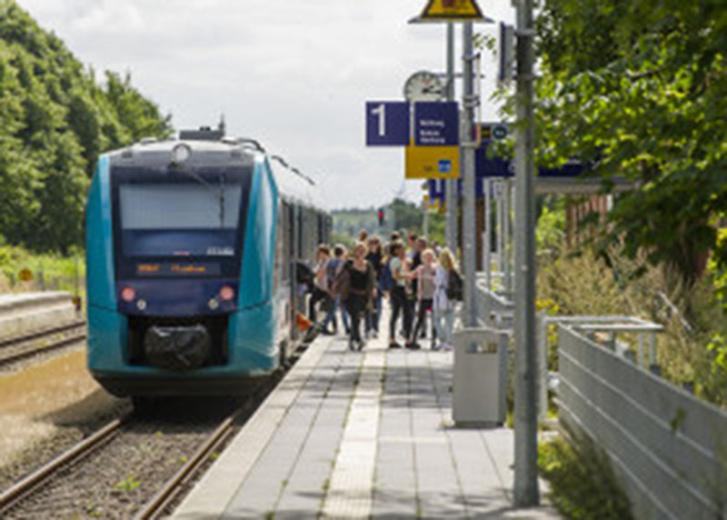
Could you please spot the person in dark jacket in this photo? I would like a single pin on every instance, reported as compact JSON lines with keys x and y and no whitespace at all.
{"x":356,"y":285}
{"x":375,"y":257}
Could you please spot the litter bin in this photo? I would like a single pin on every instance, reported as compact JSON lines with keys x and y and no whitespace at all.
{"x":480,"y":377}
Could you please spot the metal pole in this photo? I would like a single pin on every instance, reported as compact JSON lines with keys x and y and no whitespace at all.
{"x":498,"y":224}
{"x":425,"y":218}
{"x":526,"y":414}
{"x":469,"y":102}
{"x":486,"y":243}
{"x":507,"y":240}
{"x":451,"y":184}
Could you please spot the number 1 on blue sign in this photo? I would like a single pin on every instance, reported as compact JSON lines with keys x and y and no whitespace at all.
{"x":380,"y":112}
{"x":387,"y":123}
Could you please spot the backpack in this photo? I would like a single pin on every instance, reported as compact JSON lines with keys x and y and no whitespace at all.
{"x":304,"y":275}
{"x":455,"y":286}
{"x":342,"y":283}
{"x":386,"y":279}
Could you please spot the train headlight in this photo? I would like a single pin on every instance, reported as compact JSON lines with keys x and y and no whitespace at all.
{"x":213,"y":304}
{"x":141,"y":304}
{"x":128,"y":294}
{"x":227,"y":293}
{"x":181,"y":153}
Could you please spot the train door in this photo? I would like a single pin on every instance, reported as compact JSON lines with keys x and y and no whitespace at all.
{"x":293,"y":248}
{"x":281,"y":282}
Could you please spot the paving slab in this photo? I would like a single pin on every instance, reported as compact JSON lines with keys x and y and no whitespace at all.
{"x":361,"y":435}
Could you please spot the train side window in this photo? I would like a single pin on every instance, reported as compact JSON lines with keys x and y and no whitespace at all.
{"x":281,"y":273}
{"x":301,"y":234}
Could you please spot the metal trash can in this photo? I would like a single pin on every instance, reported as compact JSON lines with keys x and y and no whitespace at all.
{"x":480,"y":377}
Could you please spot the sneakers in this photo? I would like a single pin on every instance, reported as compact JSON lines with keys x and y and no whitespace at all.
{"x":394,"y":345}
{"x":413,"y":345}
{"x":361,"y":345}
{"x":351,"y":346}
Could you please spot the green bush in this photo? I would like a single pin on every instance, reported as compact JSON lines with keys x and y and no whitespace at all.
{"x":49,"y":271}
{"x":582,"y":483}
{"x":690,"y":350}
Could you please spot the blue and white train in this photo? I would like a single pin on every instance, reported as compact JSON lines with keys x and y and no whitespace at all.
{"x":190,"y":248}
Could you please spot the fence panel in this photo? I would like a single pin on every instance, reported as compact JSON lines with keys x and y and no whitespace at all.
{"x":670,"y":447}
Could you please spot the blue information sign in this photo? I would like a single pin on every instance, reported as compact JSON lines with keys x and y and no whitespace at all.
{"x":436,"y":123}
{"x":491,"y":166}
{"x":387,"y":123}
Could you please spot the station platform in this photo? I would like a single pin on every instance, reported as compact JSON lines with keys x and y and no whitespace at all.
{"x":361,"y":435}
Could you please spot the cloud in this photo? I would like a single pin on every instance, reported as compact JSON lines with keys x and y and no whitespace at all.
{"x":295,"y":75}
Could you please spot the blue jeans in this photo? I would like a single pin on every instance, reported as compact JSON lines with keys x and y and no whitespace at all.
{"x":443,"y":324}
{"x":331,"y":316}
{"x":373,"y":318}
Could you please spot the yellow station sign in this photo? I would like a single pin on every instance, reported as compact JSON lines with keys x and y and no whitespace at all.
{"x":432,"y":162}
{"x":452,"y":10}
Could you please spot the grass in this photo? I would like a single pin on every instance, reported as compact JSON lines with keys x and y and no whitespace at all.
{"x":49,"y":271}
{"x":127,"y":485}
{"x":582,"y":483}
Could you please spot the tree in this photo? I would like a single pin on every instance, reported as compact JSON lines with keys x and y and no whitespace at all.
{"x":55,"y":120}
{"x":406,"y":215}
{"x":639,"y":89}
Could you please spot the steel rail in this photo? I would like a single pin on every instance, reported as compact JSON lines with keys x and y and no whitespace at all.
{"x":19,"y":356}
{"x":160,"y":502}
{"x":10,"y":342}
{"x":20,"y":490}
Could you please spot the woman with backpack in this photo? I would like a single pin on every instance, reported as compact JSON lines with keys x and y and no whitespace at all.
{"x":333,"y":267}
{"x":447,"y":292}
{"x":356,"y":284}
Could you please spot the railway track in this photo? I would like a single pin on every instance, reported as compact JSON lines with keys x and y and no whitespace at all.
{"x":62,"y":485}
{"x":12,"y":496}
{"x":173,"y":487}
{"x":24,"y":347}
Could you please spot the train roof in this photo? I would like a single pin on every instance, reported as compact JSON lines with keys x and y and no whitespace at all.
{"x":294,"y":186}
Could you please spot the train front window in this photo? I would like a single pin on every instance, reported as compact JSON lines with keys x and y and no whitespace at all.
{"x":197,"y":219}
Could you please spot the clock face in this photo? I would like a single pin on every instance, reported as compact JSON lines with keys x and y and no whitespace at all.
{"x":424,"y":86}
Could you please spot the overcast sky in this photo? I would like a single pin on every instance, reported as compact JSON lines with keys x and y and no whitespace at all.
{"x":293,"y":74}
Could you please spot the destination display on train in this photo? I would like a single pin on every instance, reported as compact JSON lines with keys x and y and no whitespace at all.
{"x":178,"y":269}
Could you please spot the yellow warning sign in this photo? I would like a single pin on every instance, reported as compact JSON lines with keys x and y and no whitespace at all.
{"x":432,"y":162}
{"x":452,"y":10}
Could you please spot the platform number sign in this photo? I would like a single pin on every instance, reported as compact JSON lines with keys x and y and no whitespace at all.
{"x":387,"y":123}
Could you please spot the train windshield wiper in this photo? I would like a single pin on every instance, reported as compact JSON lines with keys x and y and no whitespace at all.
{"x":220,"y":192}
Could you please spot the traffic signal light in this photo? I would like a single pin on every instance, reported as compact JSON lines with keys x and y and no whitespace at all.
{"x":381,"y":215}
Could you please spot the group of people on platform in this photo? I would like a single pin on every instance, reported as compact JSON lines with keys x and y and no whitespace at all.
{"x":418,"y":280}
